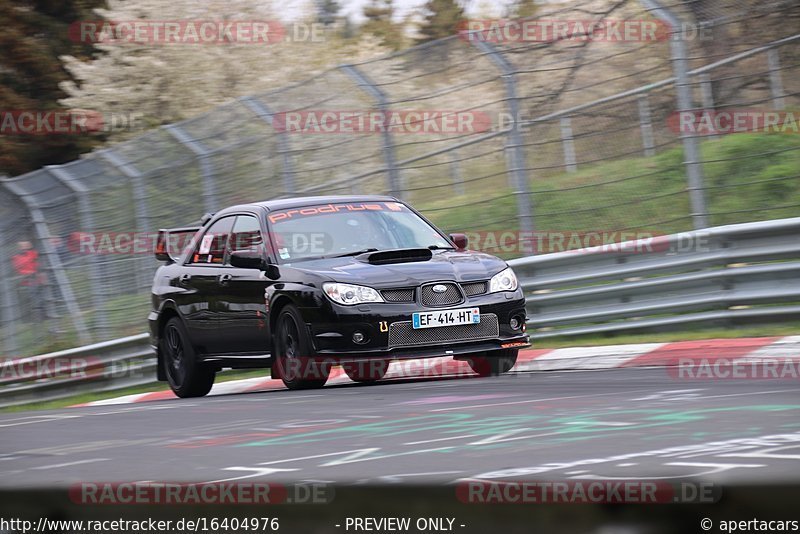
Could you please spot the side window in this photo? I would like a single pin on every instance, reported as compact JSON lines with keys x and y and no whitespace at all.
{"x":246,"y":235}
{"x":211,"y":248}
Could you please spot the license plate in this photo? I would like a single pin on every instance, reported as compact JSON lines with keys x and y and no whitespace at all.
{"x":446,"y":318}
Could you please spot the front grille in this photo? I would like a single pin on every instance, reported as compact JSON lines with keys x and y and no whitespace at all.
{"x":474,"y":288}
{"x":403,"y":334}
{"x":405,"y":294}
{"x":451,"y":295}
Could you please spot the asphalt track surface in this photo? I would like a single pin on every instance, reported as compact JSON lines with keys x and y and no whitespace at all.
{"x":637,"y":423}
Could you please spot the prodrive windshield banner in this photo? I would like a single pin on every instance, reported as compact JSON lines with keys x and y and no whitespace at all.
{"x":310,"y":211}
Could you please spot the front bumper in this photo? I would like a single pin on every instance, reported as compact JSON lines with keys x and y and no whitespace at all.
{"x":332,"y":326}
{"x":407,"y":353}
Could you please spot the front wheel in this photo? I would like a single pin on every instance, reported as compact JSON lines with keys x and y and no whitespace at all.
{"x":494,"y":362}
{"x":297,"y":368}
{"x":185,"y":375}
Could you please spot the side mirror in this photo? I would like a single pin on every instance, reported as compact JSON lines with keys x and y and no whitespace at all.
{"x":248,"y":259}
{"x":460,"y":241}
{"x":272,"y":272}
{"x":252,"y":259}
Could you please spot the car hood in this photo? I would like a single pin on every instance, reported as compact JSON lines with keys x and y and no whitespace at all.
{"x":457,"y":266}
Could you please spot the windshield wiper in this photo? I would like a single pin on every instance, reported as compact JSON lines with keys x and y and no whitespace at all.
{"x":439,"y":247}
{"x":354,"y":253}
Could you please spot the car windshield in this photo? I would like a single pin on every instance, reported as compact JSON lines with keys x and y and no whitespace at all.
{"x":342,"y":229}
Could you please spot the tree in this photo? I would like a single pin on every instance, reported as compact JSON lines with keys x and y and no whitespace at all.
{"x":380,"y":23}
{"x":327,"y":11}
{"x":34,"y":34}
{"x":523,"y":9}
{"x":167,"y":83}
{"x":348,"y":30}
{"x":442,"y":19}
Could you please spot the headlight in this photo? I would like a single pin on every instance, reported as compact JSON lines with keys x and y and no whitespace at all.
{"x":349,"y":294}
{"x":505,"y":280}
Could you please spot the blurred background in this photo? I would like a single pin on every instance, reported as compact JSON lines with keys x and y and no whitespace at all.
{"x":582,"y":134}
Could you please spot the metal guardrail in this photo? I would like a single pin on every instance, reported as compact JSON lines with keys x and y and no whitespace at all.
{"x":742,"y":272}
{"x":106,"y":366}
{"x":728,"y":274}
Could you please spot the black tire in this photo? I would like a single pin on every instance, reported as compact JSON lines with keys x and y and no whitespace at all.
{"x":185,"y":375}
{"x":296,"y":366}
{"x":495,"y":362}
{"x":366,"y":371}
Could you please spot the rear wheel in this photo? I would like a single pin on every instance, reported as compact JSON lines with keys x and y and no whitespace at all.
{"x":494,"y":362}
{"x":295,"y":365}
{"x":185,"y":375}
{"x":366,"y":371}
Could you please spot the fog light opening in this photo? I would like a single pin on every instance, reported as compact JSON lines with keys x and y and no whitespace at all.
{"x":515,"y":323}
{"x":359,"y":337}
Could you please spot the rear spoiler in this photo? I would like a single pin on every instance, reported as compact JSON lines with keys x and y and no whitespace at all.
{"x":171,"y":242}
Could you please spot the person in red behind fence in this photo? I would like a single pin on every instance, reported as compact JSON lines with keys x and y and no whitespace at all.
{"x":31,"y":280}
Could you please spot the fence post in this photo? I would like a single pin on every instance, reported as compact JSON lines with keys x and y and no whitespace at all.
{"x":708,"y":97}
{"x":691,"y":148}
{"x":394,"y":183}
{"x":515,"y":144}
{"x":9,"y":304}
{"x":646,"y":125}
{"x":206,"y":167}
{"x":266,"y":114}
{"x":455,"y":173}
{"x":139,"y":207}
{"x":569,"y":145}
{"x":775,"y":78}
{"x":62,"y":281}
{"x":96,"y":271}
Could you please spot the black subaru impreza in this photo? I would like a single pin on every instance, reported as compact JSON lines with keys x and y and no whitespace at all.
{"x":298,"y":285}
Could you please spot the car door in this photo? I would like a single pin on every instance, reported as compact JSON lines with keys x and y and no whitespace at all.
{"x":200,"y":277}
{"x":244,"y":326}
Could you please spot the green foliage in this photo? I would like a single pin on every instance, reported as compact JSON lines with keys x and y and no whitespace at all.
{"x":442,"y":19}
{"x":327,"y":11}
{"x":748,"y":177}
{"x":34,"y":35}
{"x":380,"y":23}
{"x":521,"y":9}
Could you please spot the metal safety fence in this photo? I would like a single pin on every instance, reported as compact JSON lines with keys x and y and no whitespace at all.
{"x":567,"y":134}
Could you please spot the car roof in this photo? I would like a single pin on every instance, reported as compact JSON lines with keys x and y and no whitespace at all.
{"x":297,"y":202}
